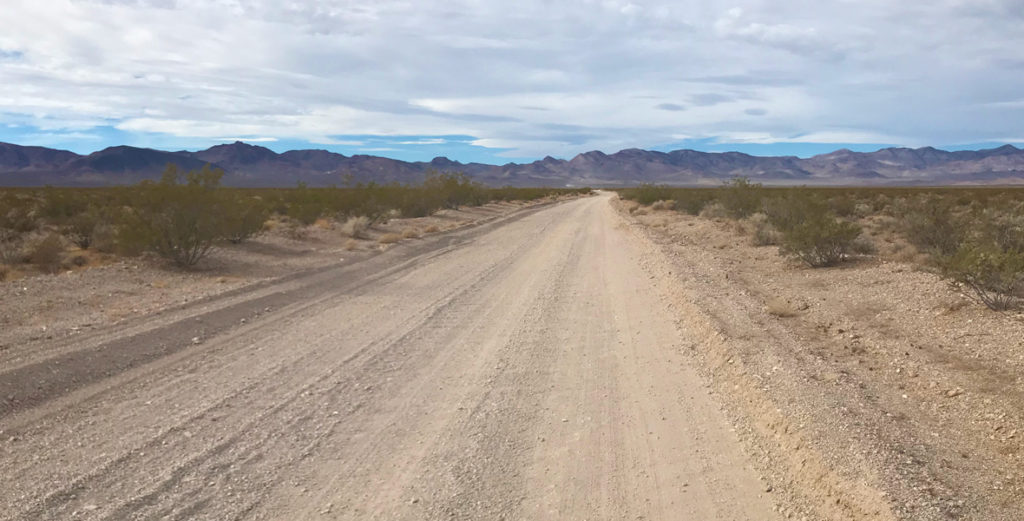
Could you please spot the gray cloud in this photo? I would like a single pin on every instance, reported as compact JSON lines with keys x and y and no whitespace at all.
{"x":706,"y":99}
{"x":670,"y":106}
{"x":309,"y":69}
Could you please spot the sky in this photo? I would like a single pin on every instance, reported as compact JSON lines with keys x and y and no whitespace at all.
{"x":500,"y":81}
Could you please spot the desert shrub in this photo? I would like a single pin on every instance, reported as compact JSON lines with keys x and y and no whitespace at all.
{"x":303,"y":206}
{"x":451,"y":190}
{"x":842,"y":205}
{"x":355,"y":227}
{"x":1003,"y":227}
{"x":692,"y":201}
{"x":80,"y":229}
{"x":647,"y":194}
{"x":243,"y":217}
{"x":863,"y":246}
{"x":410,"y":233}
{"x":820,"y":241}
{"x":714,"y":210}
{"x":389,"y":238}
{"x":47,"y":253}
{"x":104,"y":238}
{"x":762,"y":231}
{"x":863,"y":210}
{"x":351,"y":244}
{"x":19,"y":218}
{"x":740,"y":197}
{"x":930,"y":224}
{"x":790,"y":209}
{"x":431,"y":229}
{"x":10,"y":248}
{"x":994,"y":276}
{"x":663,"y":205}
{"x":178,"y":221}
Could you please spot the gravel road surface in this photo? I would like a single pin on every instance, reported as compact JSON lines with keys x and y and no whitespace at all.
{"x":524,"y":369}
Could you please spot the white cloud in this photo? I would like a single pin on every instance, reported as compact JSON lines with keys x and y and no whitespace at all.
{"x":248,"y":139}
{"x":540,"y":78}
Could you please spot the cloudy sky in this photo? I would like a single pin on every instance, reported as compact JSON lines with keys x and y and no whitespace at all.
{"x":497,"y":81}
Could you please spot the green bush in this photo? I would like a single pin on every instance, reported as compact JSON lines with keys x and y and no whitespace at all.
{"x":48,"y":253}
{"x":693,"y":201}
{"x":81,"y":228}
{"x":930,"y":224}
{"x":180,"y":221}
{"x":793,"y":207}
{"x":820,"y":241}
{"x":994,"y":275}
{"x":647,"y":194}
{"x":740,"y":197}
{"x":242,"y":217}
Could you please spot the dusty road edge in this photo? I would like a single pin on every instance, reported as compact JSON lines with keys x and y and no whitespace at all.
{"x":808,"y":486}
{"x":79,"y":361}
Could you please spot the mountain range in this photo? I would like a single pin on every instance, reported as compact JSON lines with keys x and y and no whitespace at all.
{"x":256,"y":166}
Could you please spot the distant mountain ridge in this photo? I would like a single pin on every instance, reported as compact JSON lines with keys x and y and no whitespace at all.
{"x":256,"y":166}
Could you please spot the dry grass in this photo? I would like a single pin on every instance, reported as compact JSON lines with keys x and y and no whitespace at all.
{"x":410,"y":233}
{"x":714,"y":211}
{"x":351,"y":245}
{"x":389,"y":238}
{"x":355,"y":227}
{"x":663,"y":205}
{"x":431,"y":229}
{"x":781,"y":308}
{"x":323,"y":224}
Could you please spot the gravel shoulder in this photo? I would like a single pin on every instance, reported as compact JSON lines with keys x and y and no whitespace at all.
{"x":868,"y":391}
{"x":525,"y":368}
{"x":40,"y":309}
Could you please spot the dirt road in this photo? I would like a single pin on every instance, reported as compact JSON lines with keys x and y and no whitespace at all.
{"x":525,"y":369}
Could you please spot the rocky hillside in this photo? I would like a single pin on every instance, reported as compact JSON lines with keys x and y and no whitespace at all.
{"x":250,"y":165}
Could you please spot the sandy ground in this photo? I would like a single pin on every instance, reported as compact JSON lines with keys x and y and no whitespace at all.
{"x":532,"y":367}
{"x":41,"y":308}
{"x":868,"y":391}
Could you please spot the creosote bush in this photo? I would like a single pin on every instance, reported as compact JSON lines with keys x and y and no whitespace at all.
{"x":740,"y":197}
{"x":820,"y":241}
{"x":47,"y":254}
{"x":184,"y":216}
{"x":180,"y":221}
{"x":995,"y":276}
{"x":974,"y":236}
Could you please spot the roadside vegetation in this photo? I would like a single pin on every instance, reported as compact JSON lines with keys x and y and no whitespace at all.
{"x":185,"y":215}
{"x":973,"y":237}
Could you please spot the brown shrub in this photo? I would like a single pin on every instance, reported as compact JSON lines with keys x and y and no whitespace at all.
{"x":713,"y":211}
{"x":47,"y":253}
{"x":389,"y":238}
{"x":355,"y":227}
{"x":351,"y":244}
{"x":431,"y":229}
{"x":410,"y":233}
{"x":10,"y":251}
